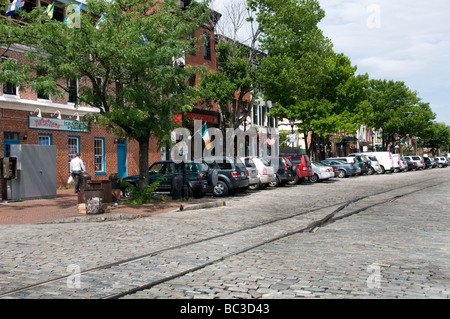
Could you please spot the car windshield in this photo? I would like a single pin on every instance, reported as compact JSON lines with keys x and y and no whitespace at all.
{"x":296,"y":159}
{"x":156,"y":168}
{"x":319,"y":164}
{"x":265,"y":161}
{"x":189,"y":167}
{"x":249,"y":163}
{"x":416,"y":158}
{"x":225,"y":165}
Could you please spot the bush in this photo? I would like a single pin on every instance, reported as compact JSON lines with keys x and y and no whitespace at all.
{"x":139,"y":198}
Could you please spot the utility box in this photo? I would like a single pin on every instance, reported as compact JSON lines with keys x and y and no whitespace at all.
{"x":35,"y":171}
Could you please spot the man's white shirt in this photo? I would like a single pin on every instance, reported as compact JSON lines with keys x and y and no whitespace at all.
{"x":77,"y":164}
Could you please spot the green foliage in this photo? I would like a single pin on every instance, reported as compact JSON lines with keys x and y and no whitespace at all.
{"x":124,"y":65}
{"x":436,"y":136}
{"x":234,"y":79}
{"x":302,"y":75}
{"x":141,"y":197}
{"x":397,"y":110}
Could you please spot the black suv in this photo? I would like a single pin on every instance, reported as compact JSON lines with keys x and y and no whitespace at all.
{"x":199,"y":177}
{"x":232,"y":175}
{"x":285,"y":170}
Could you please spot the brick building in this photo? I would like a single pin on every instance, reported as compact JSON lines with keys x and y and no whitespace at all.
{"x":27,"y":117}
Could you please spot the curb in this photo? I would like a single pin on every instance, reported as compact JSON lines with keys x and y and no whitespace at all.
{"x":220,"y":203}
{"x":124,"y":216}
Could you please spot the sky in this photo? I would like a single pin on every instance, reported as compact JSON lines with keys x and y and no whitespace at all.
{"x":400,"y":40}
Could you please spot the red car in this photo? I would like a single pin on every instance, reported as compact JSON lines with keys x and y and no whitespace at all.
{"x":304,"y":167}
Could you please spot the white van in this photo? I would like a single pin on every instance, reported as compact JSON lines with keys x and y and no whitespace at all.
{"x":385,"y":159}
{"x":396,"y":162}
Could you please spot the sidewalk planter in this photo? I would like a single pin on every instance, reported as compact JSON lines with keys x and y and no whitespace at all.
{"x":102,"y":184}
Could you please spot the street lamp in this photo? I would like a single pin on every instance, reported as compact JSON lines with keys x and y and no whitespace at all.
{"x":292,"y":122}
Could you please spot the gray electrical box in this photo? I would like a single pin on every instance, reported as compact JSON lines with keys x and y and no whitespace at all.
{"x":36,"y":171}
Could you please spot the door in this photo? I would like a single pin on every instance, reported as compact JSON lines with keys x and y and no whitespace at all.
{"x":122,"y":157}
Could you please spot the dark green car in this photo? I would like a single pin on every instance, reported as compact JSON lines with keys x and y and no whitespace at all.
{"x":198,"y":176}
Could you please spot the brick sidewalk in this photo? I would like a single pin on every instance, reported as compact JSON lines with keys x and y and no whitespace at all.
{"x":65,"y":206}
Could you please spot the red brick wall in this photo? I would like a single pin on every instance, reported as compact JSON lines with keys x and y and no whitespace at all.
{"x":17,"y":121}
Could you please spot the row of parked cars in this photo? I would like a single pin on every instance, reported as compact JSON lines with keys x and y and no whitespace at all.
{"x":223,"y":176}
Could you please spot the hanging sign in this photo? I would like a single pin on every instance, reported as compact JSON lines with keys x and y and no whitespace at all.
{"x":47,"y":123}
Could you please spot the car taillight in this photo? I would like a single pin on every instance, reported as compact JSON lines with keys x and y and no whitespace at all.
{"x":247,"y":172}
{"x":264,"y":171}
{"x":234,"y":174}
{"x":285,"y":166}
{"x":201,"y":175}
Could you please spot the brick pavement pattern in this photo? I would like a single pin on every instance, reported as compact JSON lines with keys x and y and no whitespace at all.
{"x":396,"y":250}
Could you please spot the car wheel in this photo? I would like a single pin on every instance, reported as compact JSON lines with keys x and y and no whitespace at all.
{"x":342,"y":173}
{"x":263,"y":186}
{"x":220,"y":189}
{"x":382,"y":170}
{"x":197,"y":194}
{"x":314,"y":179}
{"x":276,"y":183}
{"x":295,"y":181}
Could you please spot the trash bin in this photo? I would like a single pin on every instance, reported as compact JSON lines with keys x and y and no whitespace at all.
{"x":101,"y":184}
{"x":84,"y":178}
{"x":177,"y":186}
{"x":115,"y":186}
{"x":114,"y":178}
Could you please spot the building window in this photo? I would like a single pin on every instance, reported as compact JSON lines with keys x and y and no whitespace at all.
{"x":9,"y":138}
{"x":207,"y":47}
{"x":40,"y":94}
{"x":72,"y":88}
{"x":44,"y":139}
{"x":99,"y":155}
{"x":255,"y":114}
{"x":9,"y":88}
{"x":74,"y":147}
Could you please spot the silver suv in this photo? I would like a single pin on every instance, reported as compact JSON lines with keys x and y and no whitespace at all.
{"x":416,"y":159}
{"x":441,"y":161}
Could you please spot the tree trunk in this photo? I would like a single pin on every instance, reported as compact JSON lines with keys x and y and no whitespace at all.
{"x":143,"y":163}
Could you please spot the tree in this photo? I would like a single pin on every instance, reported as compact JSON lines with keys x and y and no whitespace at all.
{"x":397,"y":110}
{"x":298,"y":64}
{"x":302,"y":74}
{"x":231,"y":85}
{"x":437,"y":137}
{"x":124,"y":63}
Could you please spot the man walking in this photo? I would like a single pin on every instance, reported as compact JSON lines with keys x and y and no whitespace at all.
{"x":76,"y":168}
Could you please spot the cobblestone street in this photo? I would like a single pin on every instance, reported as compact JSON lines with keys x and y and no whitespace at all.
{"x":392,"y":244}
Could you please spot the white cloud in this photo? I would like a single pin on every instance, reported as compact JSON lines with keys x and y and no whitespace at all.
{"x":410,"y":42}
{"x":403,"y":40}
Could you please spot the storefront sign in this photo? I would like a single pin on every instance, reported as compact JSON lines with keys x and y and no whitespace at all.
{"x":46,"y":123}
{"x":203,"y":117}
